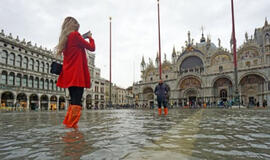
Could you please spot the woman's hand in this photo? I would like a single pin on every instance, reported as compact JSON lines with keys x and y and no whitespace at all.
{"x":89,"y":34}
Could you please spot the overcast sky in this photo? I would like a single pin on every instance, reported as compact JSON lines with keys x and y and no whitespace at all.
{"x":134,"y":26}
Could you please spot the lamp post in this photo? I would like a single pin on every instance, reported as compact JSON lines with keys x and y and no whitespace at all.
{"x":110,"y":101}
{"x":159,"y":43}
{"x":236,"y":93}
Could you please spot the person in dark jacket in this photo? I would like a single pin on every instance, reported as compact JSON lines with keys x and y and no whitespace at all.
{"x":161,"y":92}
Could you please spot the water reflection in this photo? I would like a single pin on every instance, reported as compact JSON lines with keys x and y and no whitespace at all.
{"x":137,"y":134}
{"x":74,"y":144}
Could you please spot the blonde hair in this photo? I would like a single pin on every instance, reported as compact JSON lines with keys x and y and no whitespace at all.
{"x":69,"y":25}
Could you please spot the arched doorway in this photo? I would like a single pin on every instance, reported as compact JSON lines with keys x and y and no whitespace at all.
{"x":148,"y":97}
{"x":222,"y":89}
{"x":252,"y":89}
{"x":44,"y":102}
{"x":191,"y":96}
{"x":34,"y":102}
{"x":89,"y":101}
{"x":22,"y":100}
{"x":7,"y":99}
{"x":223,"y":94}
{"x":62,"y":103}
{"x":53,"y":103}
{"x":189,"y":88}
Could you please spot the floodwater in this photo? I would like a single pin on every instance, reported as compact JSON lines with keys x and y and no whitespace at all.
{"x":138,"y":134}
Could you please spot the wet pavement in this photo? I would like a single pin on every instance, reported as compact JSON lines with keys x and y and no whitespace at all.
{"x":138,"y":134}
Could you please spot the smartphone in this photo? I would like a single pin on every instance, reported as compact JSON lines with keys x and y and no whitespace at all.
{"x":85,"y":35}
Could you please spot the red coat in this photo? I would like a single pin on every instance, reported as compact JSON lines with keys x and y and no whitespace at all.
{"x":75,"y":71}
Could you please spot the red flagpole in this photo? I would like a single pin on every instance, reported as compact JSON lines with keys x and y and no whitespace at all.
{"x":159,"y":55}
{"x":235,"y":57}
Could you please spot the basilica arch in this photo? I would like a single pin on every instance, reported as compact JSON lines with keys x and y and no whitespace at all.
{"x":191,"y":64}
{"x":252,"y":89}
{"x":148,"y":95}
{"x":189,"y":87}
{"x":222,"y":89}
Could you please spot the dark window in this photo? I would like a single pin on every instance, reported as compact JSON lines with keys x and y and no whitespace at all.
{"x":4,"y":77}
{"x":41,"y":84}
{"x":11,"y":79}
{"x":18,"y":80}
{"x":30,"y":84}
{"x":24,"y":81}
{"x":25,"y":63}
{"x":18,"y":61}
{"x":220,"y":68}
{"x":31,"y":64}
{"x":4,"y":57}
{"x":11,"y":59}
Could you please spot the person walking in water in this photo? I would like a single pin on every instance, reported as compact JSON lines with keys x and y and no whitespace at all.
{"x":161,"y":92}
{"x":75,"y":72}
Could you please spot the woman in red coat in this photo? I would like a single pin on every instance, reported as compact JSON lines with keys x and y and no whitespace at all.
{"x":75,"y":72}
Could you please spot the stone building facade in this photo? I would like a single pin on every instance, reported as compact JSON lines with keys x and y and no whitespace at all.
{"x":26,"y":81}
{"x":25,"y":76}
{"x":204,"y":72}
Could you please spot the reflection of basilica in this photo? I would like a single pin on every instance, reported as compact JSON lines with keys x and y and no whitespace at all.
{"x":204,"y":72}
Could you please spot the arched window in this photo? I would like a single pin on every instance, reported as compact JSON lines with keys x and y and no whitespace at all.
{"x":36,"y":83}
{"x":24,"y":81}
{"x":54,"y":86}
{"x":41,"y":84}
{"x":18,"y":61}
{"x":31,"y":64}
{"x":30,"y":84}
{"x":11,"y":78}
{"x":47,"y":68}
{"x":46,"y":84}
{"x":51,"y":85}
{"x":41,"y":67}
{"x":18,"y":80}
{"x":25,"y":63}
{"x":4,"y":77}
{"x":36,"y":68}
{"x":4,"y":57}
{"x":267,"y":38}
{"x":11,"y":59}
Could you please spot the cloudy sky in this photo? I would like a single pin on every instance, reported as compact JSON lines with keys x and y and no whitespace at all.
{"x":134,"y":26}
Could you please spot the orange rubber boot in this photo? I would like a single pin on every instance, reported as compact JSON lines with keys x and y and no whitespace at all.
{"x":159,"y":111}
{"x":165,"y":111}
{"x":73,"y":116}
{"x":65,"y":122}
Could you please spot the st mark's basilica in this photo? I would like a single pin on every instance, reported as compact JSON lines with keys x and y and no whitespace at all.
{"x":204,"y":72}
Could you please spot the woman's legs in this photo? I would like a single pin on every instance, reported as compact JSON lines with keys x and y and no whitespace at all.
{"x":76,"y":95}
{"x":74,"y":111}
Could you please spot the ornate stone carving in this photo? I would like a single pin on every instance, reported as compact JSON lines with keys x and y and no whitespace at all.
{"x":222,"y":82}
{"x":190,"y":83}
{"x":248,"y":54}
{"x":223,"y":58}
